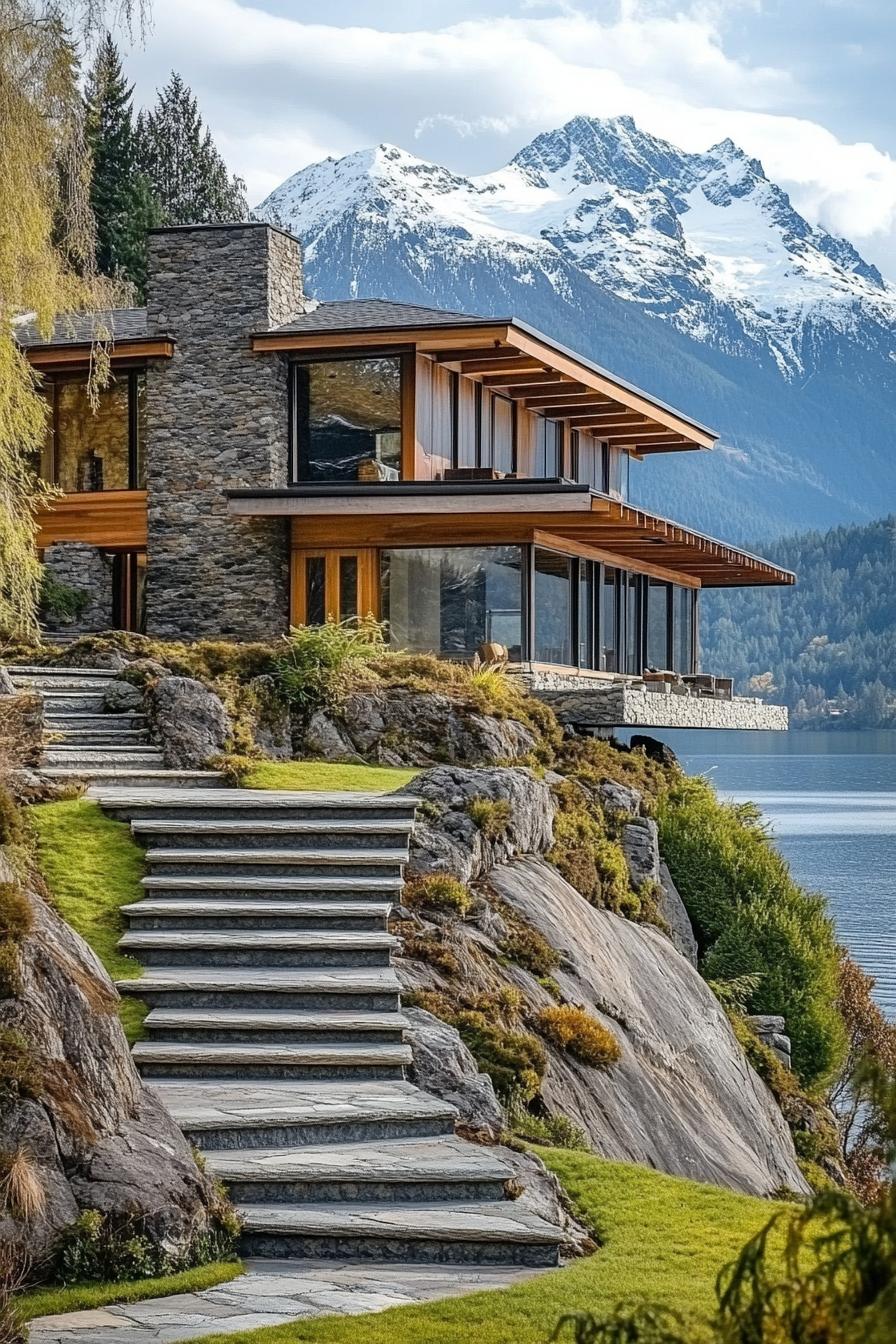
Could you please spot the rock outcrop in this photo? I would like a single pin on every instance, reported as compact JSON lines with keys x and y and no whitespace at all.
{"x":444,"y":1066}
{"x":93,"y":1134}
{"x":397,"y":726}
{"x":188,"y":721}
{"x":447,"y":838}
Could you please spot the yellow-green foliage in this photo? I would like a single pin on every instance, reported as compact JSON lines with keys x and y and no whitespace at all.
{"x":661,"y":1238}
{"x":525,"y":945}
{"x":16,"y":919}
{"x":751,"y":918}
{"x":438,"y":891}
{"x":327,"y":776}
{"x":92,"y":867}
{"x":19,"y":1069}
{"x":576,"y":1031}
{"x":512,"y":1059}
{"x":491,"y":816}
{"x":90,"y":1296}
{"x":583,"y":853}
{"x":429,"y":947}
{"x":551,"y":1128}
{"x":593,"y":760}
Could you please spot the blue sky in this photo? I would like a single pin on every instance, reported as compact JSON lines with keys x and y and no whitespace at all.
{"x":804,"y":85}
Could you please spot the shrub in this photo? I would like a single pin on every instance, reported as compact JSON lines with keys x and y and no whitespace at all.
{"x":428,"y":947}
{"x":593,"y":760}
{"x":512,"y":1059}
{"x":552,"y":1129}
{"x":577,"y":1032}
{"x":491,"y":816}
{"x":22,"y":1191}
{"x":583,"y":854}
{"x":438,"y":891}
{"x":60,"y":601}
{"x":16,"y":917}
{"x":19,"y":1070}
{"x":751,"y":918}
{"x":99,"y":1248}
{"x":526,"y":946}
{"x":316,"y":666}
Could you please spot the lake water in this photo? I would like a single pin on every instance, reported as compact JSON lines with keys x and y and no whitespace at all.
{"x":830,"y":799}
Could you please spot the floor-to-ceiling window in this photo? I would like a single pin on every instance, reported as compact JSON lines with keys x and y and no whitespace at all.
{"x":95,"y":440}
{"x":658,"y":624}
{"x":552,"y":604}
{"x":453,"y":599}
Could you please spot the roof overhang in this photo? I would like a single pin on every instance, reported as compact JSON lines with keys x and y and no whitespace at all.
{"x":544,"y":510}
{"x":71,"y":355}
{"x":522,"y":363}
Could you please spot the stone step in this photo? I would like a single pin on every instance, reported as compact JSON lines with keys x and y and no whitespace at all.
{"x":272,"y":1024}
{"x":100,"y":778}
{"x":236,"y":914}
{"x":353,"y":989}
{"x":69,"y":681}
{"x":262,"y":833}
{"x":270,"y":1059}
{"x":110,"y":737}
{"x":78,"y":718}
{"x":389,"y":1171}
{"x":35,"y":670}
{"x":216,"y":1114}
{"x":282,"y":862}
{"x":212,"y":887}
{"x":256,"y":805}
{"x":254,"y":947}
{"x":438,"y":1233}
{"x":107,"y":755}
{"x":63,"y":702}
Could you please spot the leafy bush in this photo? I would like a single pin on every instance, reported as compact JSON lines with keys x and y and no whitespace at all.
{"x":99,"y":1248}
{"x":60,"y":602}
{"x":318,"y":662}
{"x":428,"y":947}
{"x":551,"y":1129}
{"x":751,"y":918}
{"x":16,"y":919}
{"x":576,"y":1031}
{"x":491,"y":816}
{"x":583,"y":854}
{"x":526,"y":946}
{"x":438,"y":891}
{"x":19,"y":1069}
{"x":512,"y":1059}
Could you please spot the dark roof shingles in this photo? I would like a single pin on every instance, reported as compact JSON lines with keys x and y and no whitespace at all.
{"x":125,"y":324}
{"x":363,"y":314}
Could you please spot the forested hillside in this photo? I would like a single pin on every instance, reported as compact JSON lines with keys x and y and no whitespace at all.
{"x":826,"y":648}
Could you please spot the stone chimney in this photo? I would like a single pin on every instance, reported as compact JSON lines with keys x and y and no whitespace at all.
{"x":216,"y":420}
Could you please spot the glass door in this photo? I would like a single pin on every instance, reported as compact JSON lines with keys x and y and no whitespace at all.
{"x":330,"y":585}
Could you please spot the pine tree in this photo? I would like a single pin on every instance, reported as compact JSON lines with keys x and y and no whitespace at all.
{"x":186,"y":172}
{"x":121,"y":196}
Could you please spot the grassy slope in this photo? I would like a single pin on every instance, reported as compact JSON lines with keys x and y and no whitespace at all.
{"x":92,"y":867}
{"x":325,"y":775}
{"x":664,"y":1240}
{"x":84,"y":1296}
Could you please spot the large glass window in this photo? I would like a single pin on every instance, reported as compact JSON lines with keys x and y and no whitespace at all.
{"x":632,"y":607}
{"x":658,"y":624}
{"x":450,"y":600}
{"x":95,"y":444}
{"x":347,"y":419}
{"x":609,"y":621}
{"x":588,"y":573}
{"x":685,"y":629}
{"x":552,"y":603}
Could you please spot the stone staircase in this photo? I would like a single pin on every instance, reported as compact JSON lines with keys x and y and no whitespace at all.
{"x":275,"y":1032}
{"x":86,"y":741}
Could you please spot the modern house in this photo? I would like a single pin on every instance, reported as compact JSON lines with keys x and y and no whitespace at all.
{"x":260,"y":459}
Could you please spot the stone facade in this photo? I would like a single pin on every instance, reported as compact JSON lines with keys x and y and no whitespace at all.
{"x":89,"y":571}
{"x":590,"y":704}
{"x":217,"y":420}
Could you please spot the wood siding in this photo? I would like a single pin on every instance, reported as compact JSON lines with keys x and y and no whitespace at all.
{"x":114,"y":519}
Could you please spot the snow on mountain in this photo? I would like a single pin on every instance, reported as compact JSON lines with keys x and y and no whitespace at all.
{"x":596,"y":232}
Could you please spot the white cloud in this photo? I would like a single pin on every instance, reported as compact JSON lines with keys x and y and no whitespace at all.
{"x":280,"y":92}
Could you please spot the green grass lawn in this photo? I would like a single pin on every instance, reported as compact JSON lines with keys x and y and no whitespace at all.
{"x":664,"y":1240}
{"x":84,"y":1296}
{"x":326,"y":776}
{"x":92,"y":867}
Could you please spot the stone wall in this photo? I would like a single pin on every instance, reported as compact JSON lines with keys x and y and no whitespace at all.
{"x":217,"y":420}
{"x":617,"y":704}
{"x":87,"y":569}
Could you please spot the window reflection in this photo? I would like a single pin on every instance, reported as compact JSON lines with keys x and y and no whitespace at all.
{"x":95,"y":445}
{"x":451,"y":600}
{"x":348,"y":420}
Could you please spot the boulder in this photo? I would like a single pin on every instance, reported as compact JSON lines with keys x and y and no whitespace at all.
{"x":543,"y":1195}
{"x":619,"y":800}
{"x":771,"y":1030}
{"x":682,"y":1097}
{"x":6,"y":683}
{"x":398,"y":726}
{"x":96,"y":1136}
{"x":189,"y":722}
{"x":271,"y":719}
{"x":444,"y":1066}
{"x":447,"y":839}
{"x":122,"y":697}
{"x":640,"y":845}
{"x":653,"y":749}
{"x":673,"y":910}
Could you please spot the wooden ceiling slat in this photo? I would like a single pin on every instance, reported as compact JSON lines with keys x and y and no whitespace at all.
{"x":518,"y":380}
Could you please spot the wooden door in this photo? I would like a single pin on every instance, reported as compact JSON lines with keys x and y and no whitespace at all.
{"x":333,"y":585}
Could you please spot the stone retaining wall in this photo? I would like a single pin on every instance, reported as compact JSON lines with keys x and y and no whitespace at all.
{"x":87,"y":569}
{"x":619,"y":705}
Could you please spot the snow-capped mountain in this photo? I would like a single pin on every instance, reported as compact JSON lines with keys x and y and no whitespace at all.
{"x":692,"y":274}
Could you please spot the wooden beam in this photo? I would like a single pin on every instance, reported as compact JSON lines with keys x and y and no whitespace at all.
{"x":112,"y":518}
{"x":427,"y":339}
{"x":644,"y":442}
{"x":557,"y":406}
{"x":588,"y":552}
{"x":611,"y":427}
{"x":486,"y":352}
{"x":66,"y":356}
{"x":524,"y":380}
{"x":496,"y":364}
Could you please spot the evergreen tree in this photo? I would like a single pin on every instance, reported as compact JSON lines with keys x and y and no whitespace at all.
{"x":123,"y":202}
{"x":188,"y":176}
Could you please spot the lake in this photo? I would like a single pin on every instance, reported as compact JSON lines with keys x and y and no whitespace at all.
{"x":830,"y":799}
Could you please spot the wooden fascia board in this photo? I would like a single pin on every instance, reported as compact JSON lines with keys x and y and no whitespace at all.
{"x":518,"y":381}
{"x":599,"y":382}
{"x":494,"y":365}
{"x":558,"y":542}
{"x":65,"y":356}
{"x":426,"y":339}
